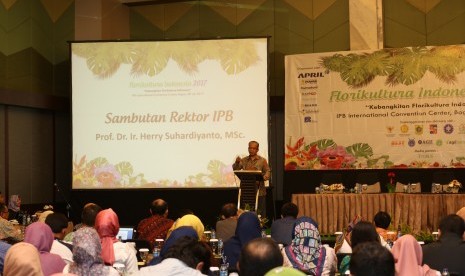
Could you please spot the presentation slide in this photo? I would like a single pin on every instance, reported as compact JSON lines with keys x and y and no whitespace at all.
{"x":166,"y":114}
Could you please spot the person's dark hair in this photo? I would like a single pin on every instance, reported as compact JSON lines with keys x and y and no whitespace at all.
{"x":89,"y":212}
{"x":3,"y":206}
{"x":191,"y":252}
{"x":452,"y":224}
{"x":159,"y":207}
{"x":229,"y":210}
{"x":363,"y":232}
{"x":259,"y":256}
{"x":371,"y":259}
{"x":382,"y":220}
{"x":289,"y":209}
{"x":57,"y":221}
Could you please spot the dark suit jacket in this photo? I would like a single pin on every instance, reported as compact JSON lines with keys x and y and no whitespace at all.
{"x":448,"y":252}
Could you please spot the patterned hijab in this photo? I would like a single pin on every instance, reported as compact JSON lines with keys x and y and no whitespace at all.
{"x":13,"y":203}
{"x":306,"y":252}
{"x":40,"y":235}
{"x":107,"y":226}
{"x":87,"y":252}
{"x":346,"y":233}
{"x":22,"y":259}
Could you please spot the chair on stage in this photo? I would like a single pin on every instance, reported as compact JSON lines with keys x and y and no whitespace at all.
{"x":368,"y":183}
{"x":408,"y":182}
{"x":248,"y":190}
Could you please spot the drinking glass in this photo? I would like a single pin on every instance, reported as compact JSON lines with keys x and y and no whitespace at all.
{"x":159,"y":243}
{"x":208,"y":235}
{"x":144,"y":253}
{"x":214,"y":246}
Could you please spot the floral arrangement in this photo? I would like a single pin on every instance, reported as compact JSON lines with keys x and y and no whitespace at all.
{"x":391,"y":186}
{"x":455,"y":184}
{"x":333,"y":187}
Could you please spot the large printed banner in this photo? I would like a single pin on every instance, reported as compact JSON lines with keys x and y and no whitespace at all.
{"x":390,"y":108}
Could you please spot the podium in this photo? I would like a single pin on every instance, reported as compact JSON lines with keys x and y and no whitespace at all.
{"x":248,"y":190}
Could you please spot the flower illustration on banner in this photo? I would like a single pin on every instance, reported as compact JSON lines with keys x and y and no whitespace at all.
{"x":107,"y":175}
{"x":326,"y":154}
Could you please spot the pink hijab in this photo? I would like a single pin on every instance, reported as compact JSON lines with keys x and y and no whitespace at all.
{"x":40,"y":235}
{"x":408,"y":256}
{"x":22,"y":259}
{"x":107,"y":226}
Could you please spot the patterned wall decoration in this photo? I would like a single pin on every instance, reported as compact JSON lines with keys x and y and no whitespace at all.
{"x":423,"y":22}
{"x":294,"y":26}
{"x":33,"y":45}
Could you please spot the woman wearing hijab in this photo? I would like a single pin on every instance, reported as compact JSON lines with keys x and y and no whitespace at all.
{"x":248,"y":228}
{"x":87,"y":255}
{"x":306,"y":252}
{"x":188,"y":220}
{"x":183,"y":231}
{"x":22,"y":259}
{"x":408,"y":257}
{"x":113,"y":250}
{"x":14,"y":206}
{"x":40,"y":235}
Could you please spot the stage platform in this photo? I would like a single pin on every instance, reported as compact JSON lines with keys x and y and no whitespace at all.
{"x":421,"y":212}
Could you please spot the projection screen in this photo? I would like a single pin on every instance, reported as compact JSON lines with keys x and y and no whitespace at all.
{"x":166,"y":114}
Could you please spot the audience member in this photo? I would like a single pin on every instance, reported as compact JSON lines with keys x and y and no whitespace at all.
{"x":363,"y":231}
{"x":113,"y":250}
{"x":7,"y":230}
{"x":183,"y":231}
{"x":3,"y":250}
{"x":87,"y":255}
{"x":14,"y":208}
{"x":40,"y":235}
{"x":22,"y":259}
{"x":382,"y":221}
{"x":259,"y":256}
{"x":371,"y":259}
{"x":226,"y":227}
{"x":157,"y":225}
{"x":188,"y":220}
{"x":306,"y":251}
{"x":449,"y":251}
{"x":284,"y":271}
{"x":342,"y":244}
{"x":408,"y":255}
{"x":248,"y":228}
{"x":187,"y":256}
{"x":281,"y":229}
{"x":59,"y":225}
{"x":88,"y":214}
{"x":461,"y":213}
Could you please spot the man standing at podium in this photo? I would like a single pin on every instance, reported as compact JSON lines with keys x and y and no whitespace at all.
{"x":255,"y":162}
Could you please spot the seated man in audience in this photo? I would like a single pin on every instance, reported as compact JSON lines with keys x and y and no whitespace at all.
{"x":382,"y":221}
{"x":281,"y":229}
{"x":59,"y":225}
{"x":8,"y":231}
{"x":187,"y":256}
{"x":226,"y":227}
{"x":449,"y":251}
{"x":88,"y":214}
{"x":157,"y":225}
{"x":371,"y":259}
{"x":258,"y":257}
